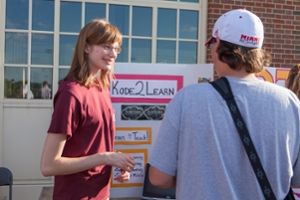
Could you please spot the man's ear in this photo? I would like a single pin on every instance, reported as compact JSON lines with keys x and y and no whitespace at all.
{"x":86,"y":48}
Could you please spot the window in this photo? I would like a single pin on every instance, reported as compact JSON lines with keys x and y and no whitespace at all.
{"x":39,"y":49}
{"x":28,"y":54}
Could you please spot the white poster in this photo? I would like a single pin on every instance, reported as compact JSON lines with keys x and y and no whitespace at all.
{"x":140,"y":94}
{"x":274,"y":75}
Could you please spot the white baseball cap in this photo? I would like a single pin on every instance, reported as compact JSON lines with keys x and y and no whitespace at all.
{"x":240,"y":27}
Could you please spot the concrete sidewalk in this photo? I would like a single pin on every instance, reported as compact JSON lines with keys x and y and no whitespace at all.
{"x":47,"y":192}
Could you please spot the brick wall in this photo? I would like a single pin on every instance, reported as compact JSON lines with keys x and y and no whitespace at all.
{"x":281,"y":19}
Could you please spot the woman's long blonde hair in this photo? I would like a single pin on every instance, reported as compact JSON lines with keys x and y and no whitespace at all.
{"x":293,"y":80}
{"x":97,"y":31}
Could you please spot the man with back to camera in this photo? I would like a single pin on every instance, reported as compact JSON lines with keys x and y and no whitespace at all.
{"x":198,"y":148}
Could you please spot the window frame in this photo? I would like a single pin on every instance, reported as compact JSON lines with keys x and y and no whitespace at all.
{"x":201,"y":7}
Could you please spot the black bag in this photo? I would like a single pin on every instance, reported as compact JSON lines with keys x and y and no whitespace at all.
{"x":223,"y":87}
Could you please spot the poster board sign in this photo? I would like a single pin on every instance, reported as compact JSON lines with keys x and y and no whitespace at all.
{"x":140,"y":94}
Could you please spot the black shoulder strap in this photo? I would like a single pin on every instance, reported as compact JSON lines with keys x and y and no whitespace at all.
{"x":223,"y":87}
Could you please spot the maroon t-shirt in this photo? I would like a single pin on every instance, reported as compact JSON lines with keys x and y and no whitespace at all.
{"x":86,"y":116}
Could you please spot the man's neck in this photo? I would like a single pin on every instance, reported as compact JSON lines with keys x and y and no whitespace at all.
{"x":225,"y":70}
{"x":240,"y":74}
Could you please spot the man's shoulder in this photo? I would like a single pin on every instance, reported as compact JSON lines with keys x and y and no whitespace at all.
{"x":194,"y":92}
{"x":196,"y":87}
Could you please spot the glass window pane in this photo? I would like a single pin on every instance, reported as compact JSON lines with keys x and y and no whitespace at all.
{"x":93,"y":11}
{"x":141,"y":51}
{"x":14,"y":80}
{"x":119,"y":17}
{"x":123,"y":56}
{"x":187,"y":53}
{"x":17,"y":14}
{"x":193,"y":1}
{"x":43,"y":15}
{"x":42,"y":49}
{"x":16,"y":48}
{"x":70,"y":17}
{"x":142,"y":21}
{"x":166,"y":51}
{"x":166,"y":23}
{"x":62,"y":74}
{"x":66,"y":49}
{"x":41,"y":82}
{"x":188,"y":25}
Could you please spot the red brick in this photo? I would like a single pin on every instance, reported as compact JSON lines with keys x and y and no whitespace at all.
{"x":227,"y":7}
{"x":288,"y":27}
{"x":288,"y":17}
{"x":269,"y":35}
{"x":286,"y":65}
{"x":296,"y":52}
{"x":287,"y":51}
{"x":280,"y":31}
{"x":268,"y":5}
{"x":281,"y":41}
{"x":289,"y":12}
{"x":269,"y":10}
{"x":227,"y":1}
{"x":288,"y":32}
{"x":277,"y":56}
{"x":285,"y":56}
{"x":286,"y":46}
{"x":289,"y":37}
{"x":279,"y":1}
{"x":281,"y":21}
{"x":258,"y":4}
{"x":278,"y":21}
{"x":217,"y":6}
{"x":256,"y":10}
{"x":279,"y":60}
{"x":285,"y":7}
{"x":248,"y":3}
{"x":267,"y":25}
{"x":267,"y":20}
{"x":296,"y":3}
{"x":237,"y":7}
{"x":279,"y":11}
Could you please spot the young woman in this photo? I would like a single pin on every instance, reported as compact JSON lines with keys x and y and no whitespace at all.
{"x":79,"y":148}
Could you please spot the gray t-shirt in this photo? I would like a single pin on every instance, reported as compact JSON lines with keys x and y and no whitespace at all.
{"x":198,"y":142}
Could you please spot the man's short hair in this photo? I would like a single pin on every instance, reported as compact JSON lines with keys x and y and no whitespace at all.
{"x":253,"y":60}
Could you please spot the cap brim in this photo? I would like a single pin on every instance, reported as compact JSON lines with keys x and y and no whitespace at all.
{"x":208,"y":41}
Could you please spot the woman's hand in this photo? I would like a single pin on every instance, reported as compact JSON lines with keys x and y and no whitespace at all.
{"x":123,"y":177}
{"x":121,"y":160}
